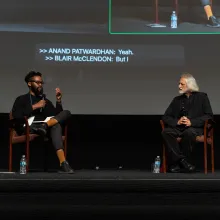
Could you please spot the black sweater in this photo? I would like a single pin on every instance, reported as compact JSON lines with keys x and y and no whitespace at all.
{"x":23,"y":107}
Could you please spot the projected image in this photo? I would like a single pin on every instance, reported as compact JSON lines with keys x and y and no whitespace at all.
{"x":165,"y":16}
{"x":54,"y":16}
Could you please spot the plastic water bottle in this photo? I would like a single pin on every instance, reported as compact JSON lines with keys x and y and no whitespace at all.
{"x":23,"y":165}
{"x":157,"y":165}
{"x":174,"y":20}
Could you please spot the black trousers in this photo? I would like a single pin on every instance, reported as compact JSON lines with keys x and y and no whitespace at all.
{"x":205,"y":2}
{"x":177,"y":151}
{"x":55,"y":132}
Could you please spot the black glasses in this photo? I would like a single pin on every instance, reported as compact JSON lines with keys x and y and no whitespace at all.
{"x":38,"y":82}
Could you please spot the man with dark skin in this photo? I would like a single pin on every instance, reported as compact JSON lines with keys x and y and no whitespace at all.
{"x":35,"y":103}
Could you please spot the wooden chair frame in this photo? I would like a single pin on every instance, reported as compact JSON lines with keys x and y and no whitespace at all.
{"x":14,"y":138}
{"x":208,"y":140}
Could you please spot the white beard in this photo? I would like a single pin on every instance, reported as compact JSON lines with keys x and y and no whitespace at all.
{"x":181,"y":92}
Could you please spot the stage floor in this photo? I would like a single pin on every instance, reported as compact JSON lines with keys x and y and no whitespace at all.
{"x":111,"y":180}
{"x":134,"y":25}
{"x":110,"y":193}
{"x":130,"y":19}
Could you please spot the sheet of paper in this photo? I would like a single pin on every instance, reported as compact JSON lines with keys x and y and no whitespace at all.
{"x":46,"y":120}
{"x":31,"y":120}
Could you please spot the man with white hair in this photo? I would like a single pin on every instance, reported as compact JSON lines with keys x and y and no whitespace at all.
{"x":185,"y":118}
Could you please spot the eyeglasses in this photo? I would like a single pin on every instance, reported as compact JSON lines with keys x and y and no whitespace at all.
{"x":38,"y":82}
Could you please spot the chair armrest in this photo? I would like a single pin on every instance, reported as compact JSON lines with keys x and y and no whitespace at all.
{"x":65,"y":130}
{"x":209,"y":124}
{"x":162,"y":124}
{"x":18,"y":122}
{"x":13,"y":123}
{"x":208,"y":127}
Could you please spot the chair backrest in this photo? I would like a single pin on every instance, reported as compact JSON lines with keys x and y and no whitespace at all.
{"x":14,"y":133}
{"x":10,"y":116}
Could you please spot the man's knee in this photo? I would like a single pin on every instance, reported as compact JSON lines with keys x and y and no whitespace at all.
{"x":67,"y":113}
{"x":63,"y":116}
{"x":166,"y":131}
{"x":189,"y":132}
{"x":56,"y":127}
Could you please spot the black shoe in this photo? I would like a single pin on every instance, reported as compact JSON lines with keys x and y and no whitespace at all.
{"x":186,"y":166}
{"x":41,"y":129}
{"x":65,"y":168}
{"x":174,"y":169}
{"x":213,"y":22}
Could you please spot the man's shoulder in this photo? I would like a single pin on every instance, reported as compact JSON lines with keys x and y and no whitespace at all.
{"x":178,"y":97}
{"x":21,"y":97}
{"x":201,"y":94}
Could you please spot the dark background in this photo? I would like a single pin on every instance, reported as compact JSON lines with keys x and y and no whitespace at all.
{"x":66,"y":11}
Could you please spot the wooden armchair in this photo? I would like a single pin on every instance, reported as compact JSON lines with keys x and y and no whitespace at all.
{"x":14,"y":138}
{"x":206,"y":138}
{"x":176,"y":4}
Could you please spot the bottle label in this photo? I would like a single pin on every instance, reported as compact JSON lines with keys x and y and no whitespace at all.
{"x":23,"y":163}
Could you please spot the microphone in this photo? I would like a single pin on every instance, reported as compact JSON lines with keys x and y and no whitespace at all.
{"x":58,"y":94}
{"x":43,"y":97}
{"x":184,"y":112}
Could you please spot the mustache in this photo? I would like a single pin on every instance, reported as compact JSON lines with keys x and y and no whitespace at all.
{"x":37,"y":90}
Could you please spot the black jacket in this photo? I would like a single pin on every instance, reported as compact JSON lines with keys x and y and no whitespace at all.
{"x":197,"y":108}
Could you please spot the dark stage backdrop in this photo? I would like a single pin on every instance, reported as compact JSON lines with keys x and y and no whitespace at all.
{"x":116,"y":86}
{"x":106,"y":141}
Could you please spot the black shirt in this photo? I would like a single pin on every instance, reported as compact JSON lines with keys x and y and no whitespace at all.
{"x":23,"y":107}
{"x":196,"y":107}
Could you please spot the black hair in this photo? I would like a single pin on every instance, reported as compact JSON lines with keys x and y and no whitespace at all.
{"x":30,"y":75}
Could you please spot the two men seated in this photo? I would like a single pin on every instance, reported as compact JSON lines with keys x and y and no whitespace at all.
{"x":185,"y":118}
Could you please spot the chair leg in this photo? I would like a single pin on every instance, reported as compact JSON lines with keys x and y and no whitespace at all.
{"x":10,"y":157}
{"x":28,"y":155}
{"x":205,"y":157}
{"x":65,"y":141}
{"x":65,"y":148}
{"x":164,"y":160}
{"x":212,"y":157}
{"x":46,"y":155}
{"x":177,"y":6}
{"x":156,"y":11}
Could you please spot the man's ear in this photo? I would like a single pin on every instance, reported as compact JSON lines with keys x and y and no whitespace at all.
{"x":29,"y":84}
